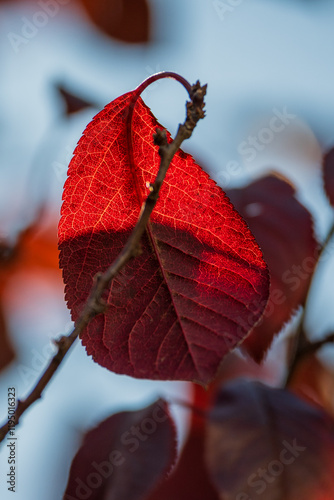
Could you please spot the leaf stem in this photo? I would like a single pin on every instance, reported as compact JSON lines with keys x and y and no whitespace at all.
{"x":163,"y":74}
{"x":95,"y":304}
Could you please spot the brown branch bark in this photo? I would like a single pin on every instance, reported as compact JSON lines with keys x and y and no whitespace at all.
{"x":95,"y":305}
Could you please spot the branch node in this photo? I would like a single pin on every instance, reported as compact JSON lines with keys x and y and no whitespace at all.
{"x":97,"y":278}
{"x":98,"y":306}
{"x":195,"y":107}
{"x":160,"y":139}
{"x":57,"y":342}
{"x":137,"y":250}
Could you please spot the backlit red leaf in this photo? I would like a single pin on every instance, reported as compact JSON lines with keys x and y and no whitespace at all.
{"x":328,"y":165}
{"x":268,"y":444}
{"x":125,"y":456}
{"x":284,"y":231}
{"x":200,"y":283}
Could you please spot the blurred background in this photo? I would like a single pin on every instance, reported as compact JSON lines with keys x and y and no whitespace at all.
{"x":61,"y":62}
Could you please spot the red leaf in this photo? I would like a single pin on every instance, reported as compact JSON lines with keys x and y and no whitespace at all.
{"x":328,"y":166}
{"x":200,"y":283}
{"x":190,"y":479}
{"x":73,"y":103}
{"x":128,"y":21}
{"x":13,"y":256}
{"x":268,"y":444}
{"x":284,"y":231}
{"x":125,"y":456}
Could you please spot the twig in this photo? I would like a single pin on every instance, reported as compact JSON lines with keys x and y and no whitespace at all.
{"x":315,"y":346}
{"x":305,"y":348}
{"x":94,"y":304}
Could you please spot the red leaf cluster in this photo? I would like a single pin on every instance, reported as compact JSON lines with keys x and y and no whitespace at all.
{"x":254,"y":441}
{"x":197,"y":289}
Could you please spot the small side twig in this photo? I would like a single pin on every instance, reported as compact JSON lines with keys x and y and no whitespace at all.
{"x":95,"y":304}
{"x":312,"y":347}
{"x":306,"y":348}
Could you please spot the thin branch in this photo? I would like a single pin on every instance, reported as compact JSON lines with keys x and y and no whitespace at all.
{"x":327,"y":240}
{"x":305,"y":348}
{"x":312,"y":347}
{"x":95,"y":304}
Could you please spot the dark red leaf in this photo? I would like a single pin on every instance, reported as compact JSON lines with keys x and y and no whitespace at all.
{"x":73,"y":103}
{"x":190,"y":479}
{"x":125,"y":456}
{"x":268,"y":444}
{"x":328,"y":166}
{"x":284,"y":231}
{"x":126,"y":20}
{"x":200,"y":283}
